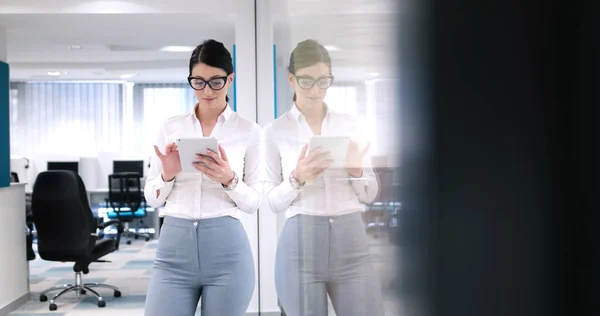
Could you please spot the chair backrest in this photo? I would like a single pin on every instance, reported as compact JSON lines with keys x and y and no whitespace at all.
{"x":124,"y":191}
{"x":14,"y":177}
{"x":62,"y":216}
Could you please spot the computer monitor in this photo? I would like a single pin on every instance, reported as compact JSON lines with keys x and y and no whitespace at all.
{"x":129,"y":166}
{"x":64,"y":165}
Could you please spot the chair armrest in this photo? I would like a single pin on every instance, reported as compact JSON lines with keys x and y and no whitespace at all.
{"x":117,"y":223}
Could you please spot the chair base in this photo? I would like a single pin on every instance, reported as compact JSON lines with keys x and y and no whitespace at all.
{"x":128,"y":232}
{"x":80,"y":288}
{"x":135,"y":235}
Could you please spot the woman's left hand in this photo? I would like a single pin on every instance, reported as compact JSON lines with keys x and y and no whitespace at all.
{"x":214,"y":167}
{"x":354,"y":158}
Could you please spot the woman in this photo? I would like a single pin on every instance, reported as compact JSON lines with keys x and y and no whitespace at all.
{"x":322,"y":248}
{"x":203,"y":251}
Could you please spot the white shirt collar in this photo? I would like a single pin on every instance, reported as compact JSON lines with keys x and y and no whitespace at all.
{"x":296,"y":114}
{"x":225,"y":115}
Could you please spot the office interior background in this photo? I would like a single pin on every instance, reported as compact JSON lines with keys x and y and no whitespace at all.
{"x":90,"y":82}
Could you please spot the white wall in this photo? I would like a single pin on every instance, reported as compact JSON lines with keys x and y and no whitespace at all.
{"x":14,"y":271}
{"x":2,"y":44}
{"x":246,"y":107}
{"x":267,"y":220}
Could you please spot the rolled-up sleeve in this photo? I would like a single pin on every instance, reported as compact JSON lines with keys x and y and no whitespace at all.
{"x":279,"y":192}
{"x":367,"y":186}
{"x":248,"y":192}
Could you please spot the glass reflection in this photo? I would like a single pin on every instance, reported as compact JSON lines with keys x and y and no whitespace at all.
{"x":319,"y":173}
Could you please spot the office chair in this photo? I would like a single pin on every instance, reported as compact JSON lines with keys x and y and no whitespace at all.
{"x":124,"y":199}
{"x":67,"y":231}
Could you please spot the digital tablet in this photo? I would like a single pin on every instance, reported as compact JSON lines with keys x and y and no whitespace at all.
{"x":189,"y":147}
{"x":337,"y":146}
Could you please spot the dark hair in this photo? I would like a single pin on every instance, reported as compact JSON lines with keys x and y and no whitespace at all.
{"x":214,"y":54}
{"x":306,"y":54}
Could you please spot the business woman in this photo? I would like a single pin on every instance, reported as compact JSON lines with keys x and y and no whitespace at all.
{"x":322,"y":248}
{"x":203,"y":251}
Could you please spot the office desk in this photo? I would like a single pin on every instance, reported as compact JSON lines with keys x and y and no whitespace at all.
{"x":97,"y":199}
{"x":14,"y":268}
{"x":94,"y":195}
{"x":99,"y":195}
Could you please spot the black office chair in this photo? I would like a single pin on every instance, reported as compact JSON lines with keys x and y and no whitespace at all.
{"x":124,"y":200}
{"x":67,"y":231}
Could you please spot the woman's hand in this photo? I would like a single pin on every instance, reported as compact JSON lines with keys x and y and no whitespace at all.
{"x":354,"y":159}
{"x":312,"y":165}
{"x":214,"y":167}
{"x":171,"y":164}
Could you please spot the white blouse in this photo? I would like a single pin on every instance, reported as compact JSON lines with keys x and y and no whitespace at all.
{"x":195,"y":196}
{"x":332,"y":193}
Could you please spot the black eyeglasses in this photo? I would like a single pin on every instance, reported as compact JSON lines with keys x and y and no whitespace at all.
{"x":216,"y":83}
{"x":308,"y":82}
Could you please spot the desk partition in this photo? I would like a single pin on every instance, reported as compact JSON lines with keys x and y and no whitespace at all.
{"x":14,"y":268}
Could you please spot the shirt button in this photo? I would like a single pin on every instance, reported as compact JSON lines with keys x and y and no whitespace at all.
{"x":195,"y":223}
{"x":331,"y":220}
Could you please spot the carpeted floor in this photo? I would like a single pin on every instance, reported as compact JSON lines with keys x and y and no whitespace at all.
{"x":130,"y":270}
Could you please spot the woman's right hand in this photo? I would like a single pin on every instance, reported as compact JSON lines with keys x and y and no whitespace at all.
{"x":171,"y":164}
{"x":312,"y":165}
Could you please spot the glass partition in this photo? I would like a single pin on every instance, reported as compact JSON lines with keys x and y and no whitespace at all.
{"x":360,"y":39}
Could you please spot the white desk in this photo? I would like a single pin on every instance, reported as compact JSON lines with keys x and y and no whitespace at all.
{"x":14,"y":267}
{"x":93,"y":194}
{"x":98,"y":196}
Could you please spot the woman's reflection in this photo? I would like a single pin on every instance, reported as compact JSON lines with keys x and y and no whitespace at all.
{"x":323,"y":248}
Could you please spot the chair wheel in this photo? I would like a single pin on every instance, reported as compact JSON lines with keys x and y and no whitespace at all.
{"x":117,"y":293}
{"x":53,"y":307}
{"x":129,"y":242}
{"x":147,"y":238}
{"x":101,"y":304}
{"x":82,"y":292}
{"x":43,"y":298}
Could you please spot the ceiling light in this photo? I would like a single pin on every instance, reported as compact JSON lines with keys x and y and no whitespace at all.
{"x":128,"y":76}
{"x":373,"y":74}
{"x":178,"y":49}
{"x":331,"y":48}
{"x":53,"y":73}
{"x":75,"y":47}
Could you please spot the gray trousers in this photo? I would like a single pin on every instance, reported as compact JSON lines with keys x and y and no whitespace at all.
{"x":317,"y":256}
{"x":207,"y":259}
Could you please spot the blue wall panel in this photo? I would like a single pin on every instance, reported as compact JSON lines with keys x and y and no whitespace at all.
{"x":4,"y":126}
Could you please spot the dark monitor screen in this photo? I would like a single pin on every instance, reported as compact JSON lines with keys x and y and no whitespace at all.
{"x":129,"y":166}
{"x":64,"y":165}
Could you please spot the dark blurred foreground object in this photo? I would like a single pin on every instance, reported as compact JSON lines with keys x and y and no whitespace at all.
{"x":500,"y":158}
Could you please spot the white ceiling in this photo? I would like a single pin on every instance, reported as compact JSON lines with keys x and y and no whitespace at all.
{"x":112,"y":45}
{"x":116,"y":44}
